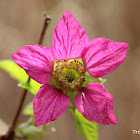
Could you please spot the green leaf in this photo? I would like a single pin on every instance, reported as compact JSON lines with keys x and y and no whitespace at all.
{"x":32,"y":86}
{"x":30,"y":131}
{"x":35,"y":86}
{"x":20,"y":75}
{"x":28,"y":110}
{"x":14,"y":70}
{"x":90,"y":79}
{"x":85,"y":127}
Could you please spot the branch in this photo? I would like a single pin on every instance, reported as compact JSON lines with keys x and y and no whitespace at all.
{"x":10,"y":133}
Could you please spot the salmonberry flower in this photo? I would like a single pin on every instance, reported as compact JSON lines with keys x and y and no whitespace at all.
{"x":61,"y":63}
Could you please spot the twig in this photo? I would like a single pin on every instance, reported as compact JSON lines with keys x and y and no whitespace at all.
{"x":10,"y":133}
{"x":46,"y":23}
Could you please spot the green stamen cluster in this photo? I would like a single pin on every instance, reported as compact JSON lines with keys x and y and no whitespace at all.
{"x":69,"y":75}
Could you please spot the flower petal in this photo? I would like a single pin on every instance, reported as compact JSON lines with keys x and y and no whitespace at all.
{"x":37,"y":61}
{"x":49,"y":104}
{"x":96,"y":104}
{"x":104,"y":56}
{"x":70,"y":39}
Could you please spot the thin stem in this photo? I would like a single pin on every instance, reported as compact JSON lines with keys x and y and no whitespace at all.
{"x":46,"y":23}
{"x":15,"y":120}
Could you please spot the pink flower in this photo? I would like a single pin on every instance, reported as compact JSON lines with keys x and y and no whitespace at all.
{"x":70,"y":41}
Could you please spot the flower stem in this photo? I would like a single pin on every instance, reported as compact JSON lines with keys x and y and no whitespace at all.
{"x":10,"y":133}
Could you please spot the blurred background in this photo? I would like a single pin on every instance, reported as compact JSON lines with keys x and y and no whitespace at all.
{"x":118,"y":20}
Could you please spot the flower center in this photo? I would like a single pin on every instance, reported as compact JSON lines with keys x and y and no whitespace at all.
{"x":69,"y":74}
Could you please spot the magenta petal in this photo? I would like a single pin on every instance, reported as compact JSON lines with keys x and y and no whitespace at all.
{"x":49,"y":104}
{"x":96,"y":104}
{"x":70,"y":39}
{"x":37,"y":61}
{"x":104,"y":56}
